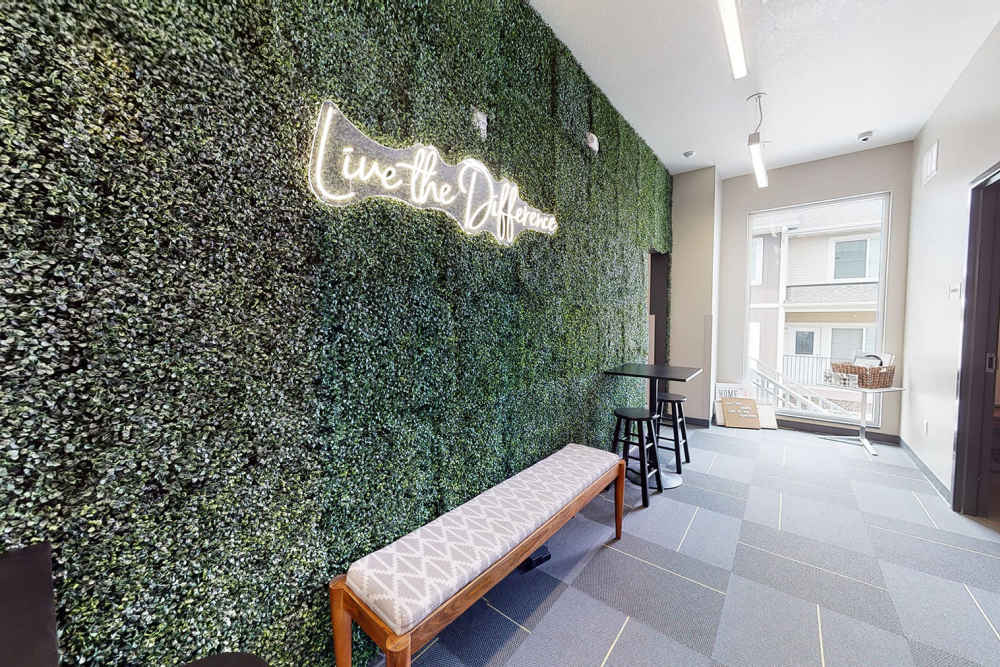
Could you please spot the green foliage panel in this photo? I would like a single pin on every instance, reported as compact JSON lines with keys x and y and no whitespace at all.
{"x":217,"y":392}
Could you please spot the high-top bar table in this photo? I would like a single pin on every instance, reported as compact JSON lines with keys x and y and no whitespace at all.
{"x":654,"y":373}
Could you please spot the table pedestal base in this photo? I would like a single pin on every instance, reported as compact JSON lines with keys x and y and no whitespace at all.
{"x":853,"y":440}
{"x":671,"y":480}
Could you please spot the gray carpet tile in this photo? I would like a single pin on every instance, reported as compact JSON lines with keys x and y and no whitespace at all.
{"x":847,"y":642}
{"x":944,"y":518}
{"x":920,"y":485}
{"x":576,"y":543}
{"x":941,"y":613}
{"x":526,"y":596}
{"x":663,"y":522}
{"x":877,"y":465}
{"x":834,"y":591}
{"x":824,"y":460}
{"x":673,"y":561}
{"x":711,"y":537}
{"x":677,"y":607}
{"x":579,"y":630}
{"x":839,"y":526}
{"x":893,"y":454}
{"x":763,"y":506}
{"x":639,"y":645}
{"x":736,"y":468}
{"x":819,"y":478}
{"x":701,"y":459}
{"x":705,"y":576}
{"x":934,"y":534}
{"x":888,"y":501}
{"x":723,"y":444}
{"x":481,"y":637}
{"x":720,"y":484}
{"x":989,"y":604}
{"x":973,"y":568}
{"x":774,"y":478}
{"x":925,"y":655}
{"x":763,"y":626}
{"x":819,"y":554}
{"x":435,"y":655}
{"x":714,"y":500}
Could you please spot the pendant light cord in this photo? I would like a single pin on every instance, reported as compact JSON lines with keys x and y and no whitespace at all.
{"x":760,"y":111}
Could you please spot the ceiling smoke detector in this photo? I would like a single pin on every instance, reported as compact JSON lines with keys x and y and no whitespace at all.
{"x":865,"y":137}
{"x":688,"y":154}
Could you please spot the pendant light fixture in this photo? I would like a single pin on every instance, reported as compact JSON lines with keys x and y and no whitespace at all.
{"x":755,"y":145}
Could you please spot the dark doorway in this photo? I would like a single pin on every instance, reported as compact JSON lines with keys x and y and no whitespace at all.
{"x":977,"y":449}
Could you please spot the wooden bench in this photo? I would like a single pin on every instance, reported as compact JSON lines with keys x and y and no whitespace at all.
{"x":403,"y":595}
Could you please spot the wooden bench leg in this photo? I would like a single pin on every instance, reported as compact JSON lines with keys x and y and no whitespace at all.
{"x":619,"y":499}
{"x":397,"y":652}
{"x":341,"y":621}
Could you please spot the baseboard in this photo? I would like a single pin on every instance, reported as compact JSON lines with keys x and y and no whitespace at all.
{"x":931,"y":477}
{"x":829,"y":429}
{"x":697,"y":422}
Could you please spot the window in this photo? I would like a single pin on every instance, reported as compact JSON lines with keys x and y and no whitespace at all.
{"x":846,"y":343}
{"x":757,"y":261}
{"x":805,"y":342}
{"x":850,"y":259}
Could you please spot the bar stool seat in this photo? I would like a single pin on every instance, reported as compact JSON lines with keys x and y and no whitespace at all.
{"x":672,"y":406}
{"x":645,"y":441}
{"x":634,"y":413}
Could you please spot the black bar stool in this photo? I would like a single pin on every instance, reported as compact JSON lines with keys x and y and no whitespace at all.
{"x":645,"y":441}
{"x":675,"y":402}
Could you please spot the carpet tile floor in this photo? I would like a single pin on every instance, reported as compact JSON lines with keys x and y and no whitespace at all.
{"x":781,"y":548}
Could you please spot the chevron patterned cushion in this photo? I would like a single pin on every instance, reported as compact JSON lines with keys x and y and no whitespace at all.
{"x":413,"y":576}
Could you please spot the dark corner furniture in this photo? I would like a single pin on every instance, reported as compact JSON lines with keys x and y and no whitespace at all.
{"x":655,"y":374}
{"x":645,"y":442}
{"x":675,"y":404}
{"x":28,"y":608}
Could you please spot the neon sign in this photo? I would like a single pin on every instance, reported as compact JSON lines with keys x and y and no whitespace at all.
{"x":347,"y":167}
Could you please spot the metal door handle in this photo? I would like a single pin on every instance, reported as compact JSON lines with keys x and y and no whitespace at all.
{"x":991,"y":363}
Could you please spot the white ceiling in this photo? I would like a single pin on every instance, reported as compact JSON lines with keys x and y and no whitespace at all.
{"x":830,"y":68}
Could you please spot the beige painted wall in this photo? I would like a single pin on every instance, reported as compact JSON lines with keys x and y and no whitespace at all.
{"x":967,"y":126}
{"x":693,"y":283}
{"x":886,"y":169}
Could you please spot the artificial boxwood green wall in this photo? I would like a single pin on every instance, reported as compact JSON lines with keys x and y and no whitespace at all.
{"x":217,"y":392}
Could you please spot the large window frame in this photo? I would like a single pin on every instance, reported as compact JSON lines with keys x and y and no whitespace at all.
{"x":877,"y":270}
{"x":847,"y":238}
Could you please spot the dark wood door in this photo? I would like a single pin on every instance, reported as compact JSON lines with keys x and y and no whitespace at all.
{"x":977,"y":453}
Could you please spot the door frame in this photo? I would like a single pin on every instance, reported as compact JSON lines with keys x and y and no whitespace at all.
{"x":974,"y":432}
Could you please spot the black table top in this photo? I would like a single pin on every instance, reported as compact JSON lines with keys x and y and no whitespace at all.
{"x":658,"y":371}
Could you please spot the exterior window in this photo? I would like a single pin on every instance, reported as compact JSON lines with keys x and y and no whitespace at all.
{"x":845,"y":343}
{"x":757,"y":261}
{"x":850,"y":259}
{"x":805,"y":342}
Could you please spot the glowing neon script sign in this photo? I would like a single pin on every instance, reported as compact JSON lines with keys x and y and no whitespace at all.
{"x":348,"y":167}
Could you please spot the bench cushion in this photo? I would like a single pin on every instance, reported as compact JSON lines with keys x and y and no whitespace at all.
{"x":410,"y":578}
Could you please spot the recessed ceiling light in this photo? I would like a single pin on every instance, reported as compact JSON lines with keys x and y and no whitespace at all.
{"x":865,"y":137}
{"x":734,"y":38}
{"x":688,"y":153}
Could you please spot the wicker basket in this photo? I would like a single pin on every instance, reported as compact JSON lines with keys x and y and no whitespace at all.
{"x":875,"y":377}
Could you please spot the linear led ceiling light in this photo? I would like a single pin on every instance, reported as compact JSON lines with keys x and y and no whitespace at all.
{"x":734,"y":38}
{"x":756,"y":146}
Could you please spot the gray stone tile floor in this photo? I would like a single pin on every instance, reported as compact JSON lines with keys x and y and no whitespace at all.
{"x":781,"y":548}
